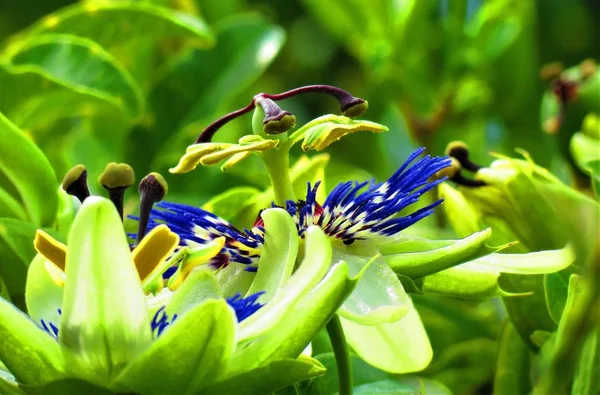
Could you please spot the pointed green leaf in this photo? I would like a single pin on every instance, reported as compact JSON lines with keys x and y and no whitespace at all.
{"x":419,"y":264}
{"x":99,"y":22}
{"x":189,"y":355}
{"x":512,"y":364}
{"x":43,"y":296}
{"x":532,"y":263}
{"x":317,"y":259}
{"x":29,"y":353}
{"x":10,"y":207}
{"x":3,"y":290}
{"x":379,"y":296}
{"x":270,"y":377}
{"x":82,"y":64}
{"x":105,"y":320}
{"x":26,"y":167}
{"x":556,"y":288}
{"x":398,"y":347}
{"x":278,"y":253}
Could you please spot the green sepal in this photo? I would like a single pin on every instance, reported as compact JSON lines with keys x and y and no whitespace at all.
{"x":278,"y":253}
{"x":190,"y":354}
{"x":455,"y":252}
{"x":104,"y":320}
{"x":29,"y":353}
{"x":270,"y":377}
{"x":531,"y":263}
{"x":397,"y":347}
{"x":463,"y":282}
{"x":317,"y":259}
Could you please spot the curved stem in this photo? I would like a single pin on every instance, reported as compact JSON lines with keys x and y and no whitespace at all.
{"x":341,"y":353}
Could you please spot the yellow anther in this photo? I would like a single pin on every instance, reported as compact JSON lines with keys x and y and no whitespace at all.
{"x":52,"y":249}
{"x":154,"y":249}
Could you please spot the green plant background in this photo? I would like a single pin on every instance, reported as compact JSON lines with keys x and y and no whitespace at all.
{"x":94,"y":82}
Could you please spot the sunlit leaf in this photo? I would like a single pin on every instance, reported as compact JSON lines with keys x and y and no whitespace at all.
{"x":26,"y":167}
{"x":83,"y":65}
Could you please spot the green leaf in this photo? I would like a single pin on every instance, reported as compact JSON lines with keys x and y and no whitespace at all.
{"x":10,"y":207}
{"x":33,"y":99}
{"x":16,"y":249}
{"x":512,"y":366}
{"x":229,"y":204}
{"x":112,"y":23}
{"x":83,"y":65}
{"x":278,"y":253}
{"x":316,"y":262}
{"x":270,"y":377}
{"x":588,"y":367}
{"x":556,"y":287}
{"x":104,"y":321}
{"x":398,"y":347}
{"x":379,"y":296}
{"x":189,"y":355}
{"x":528,"y":313}
{"x":66,"y":387}
{"x":419,"y":264}
{"x":28,"y":352}
{"x":30,"y":172}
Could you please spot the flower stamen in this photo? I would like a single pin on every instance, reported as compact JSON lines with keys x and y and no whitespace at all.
{"x":75,"y":183}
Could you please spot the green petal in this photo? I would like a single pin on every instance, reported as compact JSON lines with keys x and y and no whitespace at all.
{"x":269,"y":377}
{"x":463,"y":282}
{"x":235,"y":279}
{"x":399,"y":347}
{"x":379,"y":296}
{"x":28,"y":352}
{"x":188,"y":356}
{"x":105,"y":321}
{"x":314,"y":266}
{"x":300,"y":324}
{"x":278,"y":254}
{"x":43,"y":296}
{"x":199,"y":286}
{"x":532,"y":263}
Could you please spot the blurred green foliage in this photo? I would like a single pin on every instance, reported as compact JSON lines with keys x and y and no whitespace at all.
{"x":136,"y":81}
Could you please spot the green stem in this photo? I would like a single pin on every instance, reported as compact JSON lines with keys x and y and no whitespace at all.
{"x":276,"y":161}
{"x":341,"y":353}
